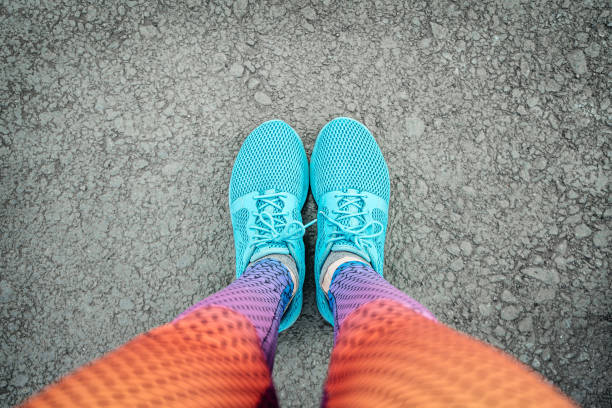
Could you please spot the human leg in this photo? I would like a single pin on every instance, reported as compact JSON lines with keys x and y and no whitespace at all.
{"x":390,"y":351}
{"x":218,"y":353}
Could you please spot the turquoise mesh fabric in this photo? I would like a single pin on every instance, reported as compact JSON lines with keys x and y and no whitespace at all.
{"x":381,"y":217}
{"x":347,"y":162}
{"x":242,"y":238}
{"x":347,"y":156}
{"x":321,"y":231}
{"x":267,"y":160}
{"x":270,"y":177}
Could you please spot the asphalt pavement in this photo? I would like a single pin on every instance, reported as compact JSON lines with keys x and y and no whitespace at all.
{"x":120,"y":121}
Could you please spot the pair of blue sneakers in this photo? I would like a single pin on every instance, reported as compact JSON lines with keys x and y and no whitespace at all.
{"x":269,"y":184}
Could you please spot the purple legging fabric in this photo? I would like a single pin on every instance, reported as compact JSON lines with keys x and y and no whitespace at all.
{"x":387,"y":354}
{"x":355,"y":283}
{"x":261,"y":294}
{"x":264,"y":290}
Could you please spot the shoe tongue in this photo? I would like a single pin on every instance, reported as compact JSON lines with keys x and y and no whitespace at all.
{"x":263,"y":206}
{"x":273,"y":248}
{"x":351,"y":222}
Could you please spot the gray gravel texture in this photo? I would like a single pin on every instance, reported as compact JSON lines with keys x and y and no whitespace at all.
{"x":120,"y":121}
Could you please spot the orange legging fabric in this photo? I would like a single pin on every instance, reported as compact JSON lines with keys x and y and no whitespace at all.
{"x":388,"y":355}
{"x":211,"y":357}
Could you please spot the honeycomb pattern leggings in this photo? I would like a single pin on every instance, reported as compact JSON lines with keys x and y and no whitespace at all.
{"x":389,"y":351}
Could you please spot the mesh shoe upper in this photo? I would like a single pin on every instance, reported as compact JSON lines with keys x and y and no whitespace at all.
{"x":268,"y":187}
{"x":271,"y":158}
{"x":350,"y":183}
{"x":346,"y":156}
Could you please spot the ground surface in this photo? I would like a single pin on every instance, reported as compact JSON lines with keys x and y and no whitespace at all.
{"x":120,"y":121}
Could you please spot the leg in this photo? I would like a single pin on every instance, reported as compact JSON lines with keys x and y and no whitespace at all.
{"x":390,"y":351}
{"x":262,"y":293}
{"x":217,"y":353}
{"x":220,"y":352}
{"x":354,"y":285}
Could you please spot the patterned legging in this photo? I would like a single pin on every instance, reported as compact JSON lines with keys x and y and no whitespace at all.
{"x":389,"y":351}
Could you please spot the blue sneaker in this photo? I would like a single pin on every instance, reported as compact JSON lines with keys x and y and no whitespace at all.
{"x":350,"y":183}
{"x":267,"y":190}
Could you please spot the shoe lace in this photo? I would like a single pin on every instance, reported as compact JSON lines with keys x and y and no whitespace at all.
{"x":272,"y":227}
{"x":351,"y":207}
